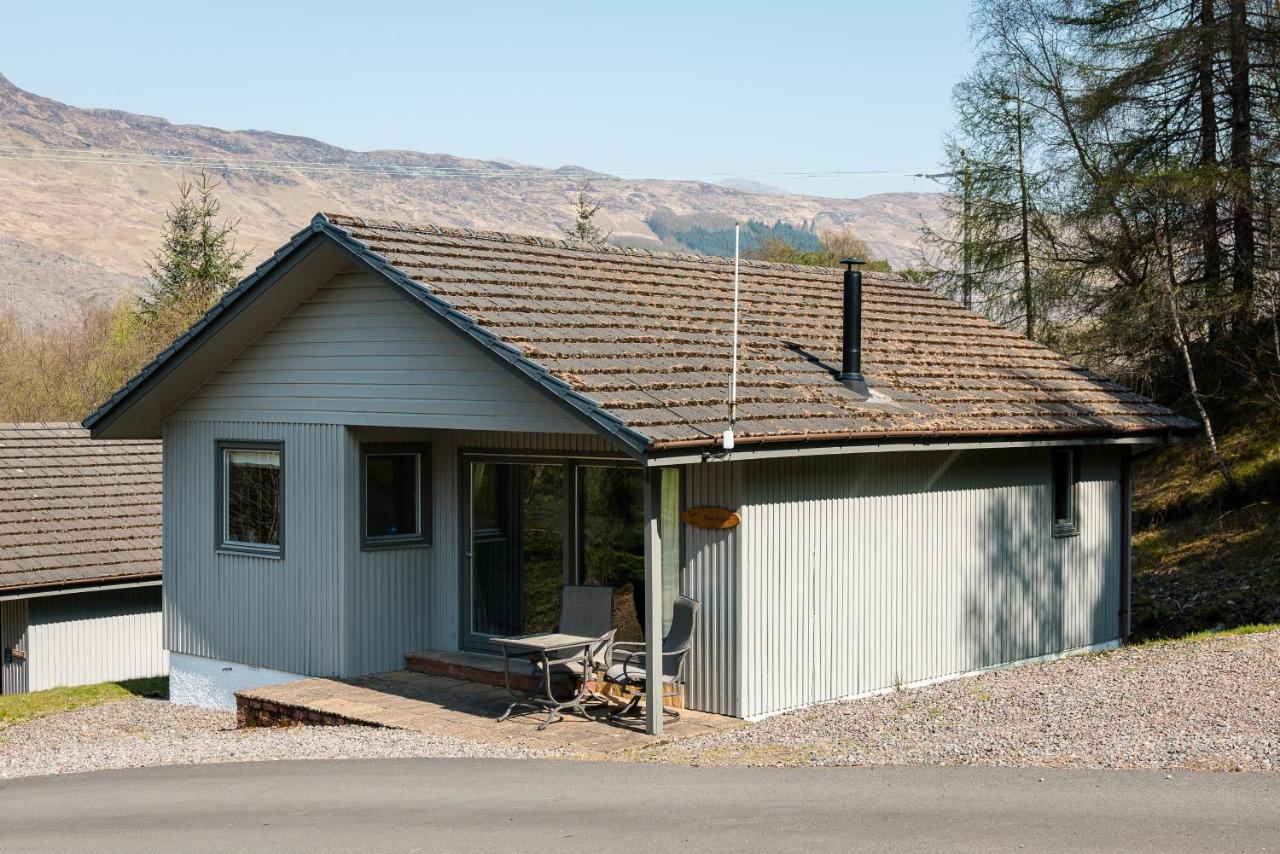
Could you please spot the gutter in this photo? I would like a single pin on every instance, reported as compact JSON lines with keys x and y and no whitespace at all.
{"x":1166,"y":435}
{"x":82,"y":585}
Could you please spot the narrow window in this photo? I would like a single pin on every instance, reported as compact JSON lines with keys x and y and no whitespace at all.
{"x":394,"y":486}
{"x":250,"y":505}
{"x":1066,"y":467}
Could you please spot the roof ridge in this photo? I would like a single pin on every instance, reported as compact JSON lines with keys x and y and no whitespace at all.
{"x":581,"y":246}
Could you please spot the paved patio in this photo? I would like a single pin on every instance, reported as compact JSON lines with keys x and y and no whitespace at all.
{"x":440,"y":705}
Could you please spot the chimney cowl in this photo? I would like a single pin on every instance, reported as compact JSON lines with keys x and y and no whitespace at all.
{"x":850,"y":375}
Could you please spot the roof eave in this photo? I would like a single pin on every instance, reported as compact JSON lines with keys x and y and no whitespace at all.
{"x":889,"y":437}
{"x":76,"y":585}
{"x":113,"y":406}
{"x":633,"y":442}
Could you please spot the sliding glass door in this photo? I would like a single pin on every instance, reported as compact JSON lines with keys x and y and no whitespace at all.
{"x":517,"y":549}
{"x":533,"y":525}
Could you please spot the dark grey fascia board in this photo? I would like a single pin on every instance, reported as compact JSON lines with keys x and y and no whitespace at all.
{"x":231,"y":304}
{"x":634,"y":443}
{"x":71,"y":588}
{"x":1136,"y":445}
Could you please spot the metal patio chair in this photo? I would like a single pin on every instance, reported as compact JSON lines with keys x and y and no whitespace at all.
{"x":587,"y":612}
{"x":628,"y":667}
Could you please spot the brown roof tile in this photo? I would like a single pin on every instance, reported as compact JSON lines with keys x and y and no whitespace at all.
{"x":646,"y":337}
{"x":73,"y":510}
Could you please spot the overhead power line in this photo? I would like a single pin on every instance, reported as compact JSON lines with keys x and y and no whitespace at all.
{"x":495,"y":170}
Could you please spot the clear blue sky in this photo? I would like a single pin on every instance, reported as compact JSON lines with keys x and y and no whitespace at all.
{"x":645,"y":89}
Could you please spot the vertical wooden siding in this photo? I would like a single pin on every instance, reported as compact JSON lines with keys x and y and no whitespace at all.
{"x":328,"y":607}
{"x":853,"y":574}
{"x":859,"y":573}
{"x":13,"y":635}
{"x":284,"y":613}
{"x":711,"y":576}
{"x":85,"y":638}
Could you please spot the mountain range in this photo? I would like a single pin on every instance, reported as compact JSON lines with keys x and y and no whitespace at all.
{"x":83,"y":195}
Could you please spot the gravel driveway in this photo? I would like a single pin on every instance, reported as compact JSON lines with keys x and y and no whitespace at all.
{"x":136,"y":733}
{"x":1208,"y":705}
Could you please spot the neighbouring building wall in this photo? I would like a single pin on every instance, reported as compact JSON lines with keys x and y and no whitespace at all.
{"x":85,"y":638}
{"x":851,"y":574}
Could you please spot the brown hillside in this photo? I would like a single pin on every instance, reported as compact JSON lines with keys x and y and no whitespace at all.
{"x":86,"y":205}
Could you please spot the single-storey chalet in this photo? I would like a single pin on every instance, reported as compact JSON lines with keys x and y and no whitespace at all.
{"x":79,"y":558}
{"x":394,"y":438}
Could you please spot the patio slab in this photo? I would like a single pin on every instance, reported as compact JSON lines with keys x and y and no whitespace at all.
{"x":440,"y":705}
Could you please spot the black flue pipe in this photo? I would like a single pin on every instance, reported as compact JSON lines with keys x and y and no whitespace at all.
{"x":851,"y":352}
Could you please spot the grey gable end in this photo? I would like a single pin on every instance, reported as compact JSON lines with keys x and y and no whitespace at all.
{"x":296,"y":254}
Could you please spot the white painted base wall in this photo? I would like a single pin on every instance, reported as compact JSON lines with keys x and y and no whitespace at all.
{"x":212,"y":684}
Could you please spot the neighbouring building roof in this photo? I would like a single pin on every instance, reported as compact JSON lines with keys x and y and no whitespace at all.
{"x":75,"y":511}
{"x":646,"y":336}
{"x":638,"y":342}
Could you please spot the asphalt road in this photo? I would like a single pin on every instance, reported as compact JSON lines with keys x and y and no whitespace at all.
{"x":477,"y":805}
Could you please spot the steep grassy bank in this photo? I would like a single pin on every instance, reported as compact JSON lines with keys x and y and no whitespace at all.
{"x":1205,"y":558}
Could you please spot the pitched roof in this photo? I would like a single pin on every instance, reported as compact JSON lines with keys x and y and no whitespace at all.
{"x":645,"y":336}
{"x":75,"y":511}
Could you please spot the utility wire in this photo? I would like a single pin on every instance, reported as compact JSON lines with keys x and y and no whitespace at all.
{"x":137,"y":158}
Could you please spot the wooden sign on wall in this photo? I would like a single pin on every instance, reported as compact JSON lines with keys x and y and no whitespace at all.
{"x":710,"y":518}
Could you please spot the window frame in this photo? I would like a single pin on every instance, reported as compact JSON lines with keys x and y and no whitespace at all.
{"x":1060,"y":528}
{"x":425,"y":507}
{"x":221,"y":510}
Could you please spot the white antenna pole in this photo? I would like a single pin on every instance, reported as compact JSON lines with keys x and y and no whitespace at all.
{"x":733,"y":373}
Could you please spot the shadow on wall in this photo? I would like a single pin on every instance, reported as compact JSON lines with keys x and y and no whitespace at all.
{"x":1032,"y":594}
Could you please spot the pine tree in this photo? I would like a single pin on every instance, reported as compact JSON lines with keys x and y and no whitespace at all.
{"x":197,"y":261}
{"x":584,"y":226}
{"x":999,"y":252}
{"x":1131,"y":221}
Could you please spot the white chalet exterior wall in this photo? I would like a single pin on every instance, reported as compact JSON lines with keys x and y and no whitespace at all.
{"x":857,"y":573}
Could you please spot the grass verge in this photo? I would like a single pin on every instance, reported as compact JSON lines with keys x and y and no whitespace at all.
{"x":1211,"y":634}
{"x":1205,"y":559}
{"x":15,"y":708}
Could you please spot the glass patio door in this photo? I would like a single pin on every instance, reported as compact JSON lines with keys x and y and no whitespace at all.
{"x":515,"y":562}
{"x":532,"y":526}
